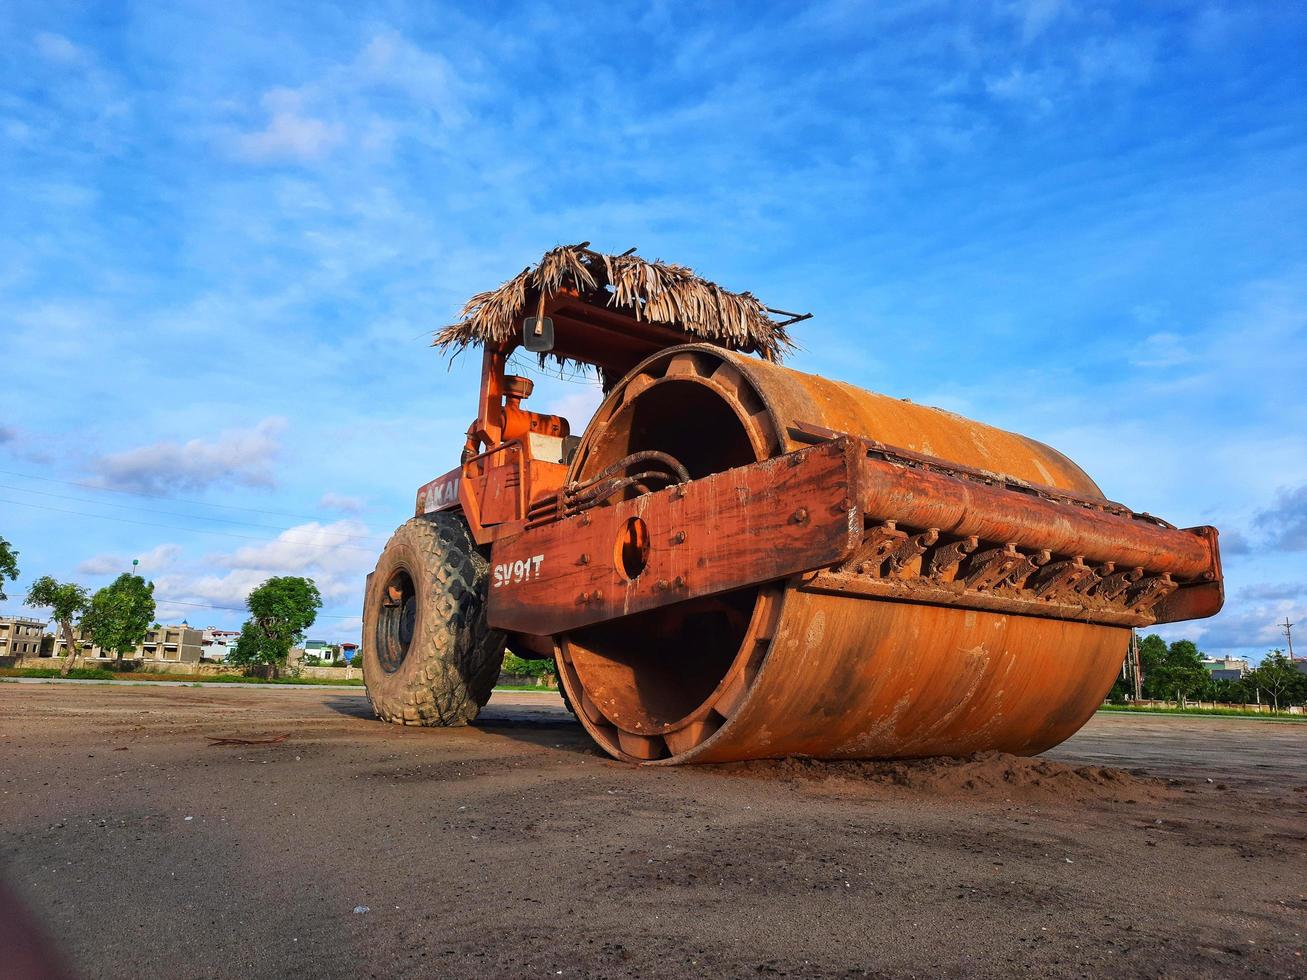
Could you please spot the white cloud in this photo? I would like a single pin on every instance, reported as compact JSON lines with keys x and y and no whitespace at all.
{"x":1274,"y":590}
{"x":336,"y":556}
{"x":331,"y":547}
{"x":1124,"y":59}
{"x":391,"y":61}
{"x":578,"y":407}
{"x":103,"y":565}
{"x":58,"y":49}
{"x":1162,"y":350}
{"x":241,"y":457}
{"x":228,"y":590}
{"x":341,"y":502}
{"x":1036,"y":16}
{"x":151,"y":561}
{"x":1034,"y":88}
{"x":307,"y":123}
{"x":1286,"y":520}
{"x":1250,"y":627}
{"x":1234,"y":542}
{"x":290,"y":134}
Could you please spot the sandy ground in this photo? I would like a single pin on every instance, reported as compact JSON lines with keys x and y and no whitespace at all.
{"x":514,"y":849}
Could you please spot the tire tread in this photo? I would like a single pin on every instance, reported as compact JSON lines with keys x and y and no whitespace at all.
{"x":458,"y":655}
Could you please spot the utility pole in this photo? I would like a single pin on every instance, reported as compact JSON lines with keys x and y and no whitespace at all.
{"x":1131,"y":666}
{"x":1287,"y":628}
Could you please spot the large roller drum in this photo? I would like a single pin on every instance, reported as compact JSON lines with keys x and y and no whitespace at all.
{"x":781,"y":668}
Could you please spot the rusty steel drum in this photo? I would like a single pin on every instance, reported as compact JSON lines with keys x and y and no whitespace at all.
{"x":783,"y":668}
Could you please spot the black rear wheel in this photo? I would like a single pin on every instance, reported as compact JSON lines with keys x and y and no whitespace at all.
{"x":428,"y":656}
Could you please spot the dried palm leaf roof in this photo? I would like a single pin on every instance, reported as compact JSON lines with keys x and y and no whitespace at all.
{"x":656,"y":292}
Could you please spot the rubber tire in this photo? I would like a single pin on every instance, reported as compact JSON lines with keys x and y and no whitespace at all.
{"x":562,"y":691}
{"x":454,"y":658}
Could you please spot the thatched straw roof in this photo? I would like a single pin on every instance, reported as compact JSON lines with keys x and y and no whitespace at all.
{"x":657,"y":292}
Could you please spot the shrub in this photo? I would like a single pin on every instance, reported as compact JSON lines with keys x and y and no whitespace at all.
{"x":519,"y":667}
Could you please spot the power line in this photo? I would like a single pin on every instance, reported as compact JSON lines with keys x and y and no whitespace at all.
{"x":584,"y":376}
{"x":240,"y":609}
{"x":173,"y":513}
{"x":171,"y":527}
{"x":156,"y":496}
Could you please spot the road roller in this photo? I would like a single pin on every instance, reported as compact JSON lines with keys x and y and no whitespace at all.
{"x":736,"y":560}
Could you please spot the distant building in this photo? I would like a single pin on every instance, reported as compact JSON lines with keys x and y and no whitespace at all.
{"x":21,"y":637}
{"x":177,"y":643}
{"x":216,"y":644}
{"x":318,"y":648}
{"x":172,"y":644}
{"x":58,"y":648}
{"x":1223,"y":665}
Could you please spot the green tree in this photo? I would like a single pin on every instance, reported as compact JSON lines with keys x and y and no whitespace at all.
{"x":1227,"y":691}
{"x":120,"y":614}
{"x":1120,"y":691}
{"x":66,"y":601}
{"x":522,"y":667}
{"x":281,"y":609}
{"x":1172,"y":673}
{"x":1276,"y":677}
{"x":8,"y":566}
{"x":1152,"y":660}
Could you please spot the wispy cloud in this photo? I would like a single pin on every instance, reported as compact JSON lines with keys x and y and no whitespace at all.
{"x":58,"y":49}
{"x":1276,"y":590}
{"x":150,"y":562}
{"x":364,"y":102}
{"x":1285,"y":521}
{"x":337,"y":556}
{"x":1035,"y":16}
{"x":342,"y":502}
{"x":290,"y":134}
{"x":1161,"y":350}
{"x":392,"y":63}
{"x":1121,"y":59}
{"x":1034,"y":87}
{"x":236,"y":457}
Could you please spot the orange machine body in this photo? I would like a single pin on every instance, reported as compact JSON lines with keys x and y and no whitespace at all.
{"x":821,"y":571}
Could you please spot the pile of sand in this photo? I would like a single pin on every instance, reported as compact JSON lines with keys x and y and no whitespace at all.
{"x":987,"y":775}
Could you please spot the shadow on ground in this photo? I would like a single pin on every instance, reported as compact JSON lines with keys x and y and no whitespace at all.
{"x":354,"y":707}
{"x":530,"y":719}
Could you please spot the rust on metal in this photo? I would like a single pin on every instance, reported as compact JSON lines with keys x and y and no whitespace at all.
{"x":985,"y":603}
{"x":737,"y":560}
{"x":758,"y":534}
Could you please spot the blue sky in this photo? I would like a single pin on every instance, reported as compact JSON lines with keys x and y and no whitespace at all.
{"x":227,"y":231}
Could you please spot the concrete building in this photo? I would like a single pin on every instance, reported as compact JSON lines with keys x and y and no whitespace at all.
{"x":319,"y":649}
{"x":1213,"y":665}
{"x":173,"y":644}
{"x":216,"y":644}
{"x":58,"y":648}
{"x":183,"y":644}
{"x":21,"y":637}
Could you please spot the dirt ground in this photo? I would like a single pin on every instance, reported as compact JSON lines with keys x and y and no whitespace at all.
{"x":353,"y":848}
